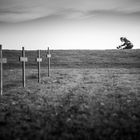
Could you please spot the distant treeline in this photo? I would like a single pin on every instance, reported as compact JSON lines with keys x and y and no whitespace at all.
{"x":76,"y":58}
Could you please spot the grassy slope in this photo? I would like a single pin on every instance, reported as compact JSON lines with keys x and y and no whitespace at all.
{"x":78,"y":58}
{"x":99,"y":103}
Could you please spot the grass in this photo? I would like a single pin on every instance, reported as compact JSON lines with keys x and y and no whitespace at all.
{"x":89,"y":95}
{"x":77,"y":58}
{"x":71,"y":104}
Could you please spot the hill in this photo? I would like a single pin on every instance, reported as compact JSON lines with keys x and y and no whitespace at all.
{"x":73,"y":103}
{"x":77,"y":58}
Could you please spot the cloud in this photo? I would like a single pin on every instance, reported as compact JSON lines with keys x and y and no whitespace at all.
{"x":20,"y":10}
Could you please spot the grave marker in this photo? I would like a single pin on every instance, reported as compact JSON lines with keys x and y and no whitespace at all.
{"x":38,"y":61}
{"x":23,"y":59}
{"x":2,"y":60}
{"x":49,"y":57}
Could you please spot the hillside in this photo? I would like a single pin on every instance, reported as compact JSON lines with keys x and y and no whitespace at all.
{"x":75,"y":102}
{"x":77,"y":58}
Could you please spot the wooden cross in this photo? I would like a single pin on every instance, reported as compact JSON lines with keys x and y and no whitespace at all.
{"x":2,"y":60}
{"x":23,"y":59}
{"x":48,"y":56}
{"x":38,"y":61}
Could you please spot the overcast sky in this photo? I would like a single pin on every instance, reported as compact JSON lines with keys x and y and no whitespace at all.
{"x":68,"y":24}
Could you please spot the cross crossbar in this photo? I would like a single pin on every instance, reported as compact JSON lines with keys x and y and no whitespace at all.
{"x":49,"y":55}
{"x":39,"y":59}
{"x":3,"y":60}
{"x":23,"y":59}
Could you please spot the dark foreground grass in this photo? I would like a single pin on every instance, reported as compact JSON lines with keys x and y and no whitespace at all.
{"x":73,"y":104}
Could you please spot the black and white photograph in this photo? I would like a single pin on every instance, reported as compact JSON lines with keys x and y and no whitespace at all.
{"x":69,"y":69}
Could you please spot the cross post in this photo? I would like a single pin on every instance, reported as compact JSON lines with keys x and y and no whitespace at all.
{"x":38,"y":61}
{"x":2,"y":60}
{"x":23,"y":59}
{"x":48,"y":56}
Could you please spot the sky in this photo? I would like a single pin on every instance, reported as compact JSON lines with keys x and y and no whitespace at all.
{"x":68,"y":24}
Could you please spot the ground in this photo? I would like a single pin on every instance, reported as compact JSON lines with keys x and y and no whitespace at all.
{"x":96,"y":103}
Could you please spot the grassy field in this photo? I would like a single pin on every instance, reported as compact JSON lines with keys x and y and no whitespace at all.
{"x":99,"y":101}
{"x":78,"y":58}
